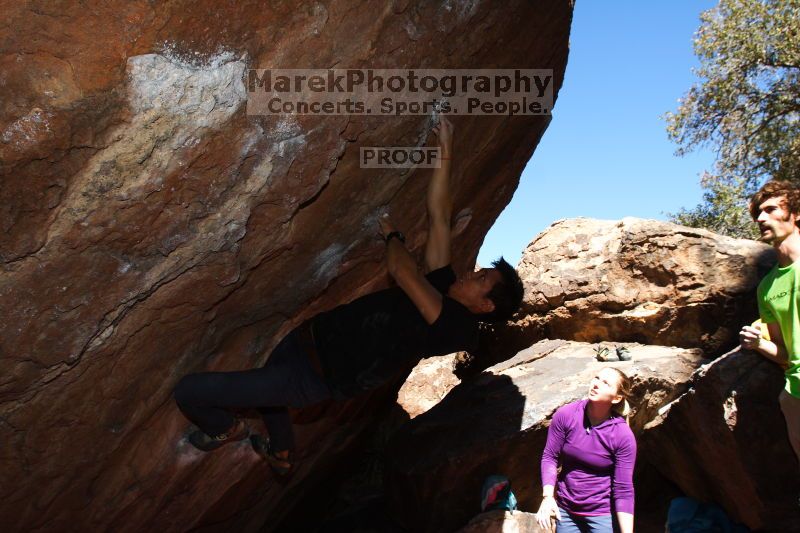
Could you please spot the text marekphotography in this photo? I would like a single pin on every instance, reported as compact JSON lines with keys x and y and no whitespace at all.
{"x":397,"y":92}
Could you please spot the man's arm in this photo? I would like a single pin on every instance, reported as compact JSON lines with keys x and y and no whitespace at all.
{"x":403,"y":269}
{"x":440,"y":205}
{"x":774,"y":349}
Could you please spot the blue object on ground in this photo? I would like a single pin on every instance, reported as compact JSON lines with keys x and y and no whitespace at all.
{"x":496,"y":494}
{"x":687,"y":515}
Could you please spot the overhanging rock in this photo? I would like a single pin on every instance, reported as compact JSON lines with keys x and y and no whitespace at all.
{"x":151,"y":229}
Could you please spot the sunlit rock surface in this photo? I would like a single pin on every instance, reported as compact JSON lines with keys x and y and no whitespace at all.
{"x":635,"y":280}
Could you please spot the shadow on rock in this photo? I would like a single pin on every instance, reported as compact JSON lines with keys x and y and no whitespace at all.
{"x":725,"y":441}
{"x":437,"y":463}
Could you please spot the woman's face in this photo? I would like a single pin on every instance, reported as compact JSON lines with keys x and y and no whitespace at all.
{"x":604,"y":387}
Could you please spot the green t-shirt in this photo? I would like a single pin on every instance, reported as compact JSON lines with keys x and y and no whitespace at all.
{"x":779,"y":301}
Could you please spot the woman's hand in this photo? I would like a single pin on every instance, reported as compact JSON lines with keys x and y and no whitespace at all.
{"x":547,"y":510}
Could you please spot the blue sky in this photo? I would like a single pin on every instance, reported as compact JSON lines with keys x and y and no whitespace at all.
{"x":606,"y":153}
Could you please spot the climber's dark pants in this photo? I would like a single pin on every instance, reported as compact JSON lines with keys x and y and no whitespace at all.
{"x":287,"y":379}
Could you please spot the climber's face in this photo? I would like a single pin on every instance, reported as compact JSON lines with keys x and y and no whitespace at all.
{"x":774,"y":220}
{"x":471,"y":290}
{"x":605,"y":387}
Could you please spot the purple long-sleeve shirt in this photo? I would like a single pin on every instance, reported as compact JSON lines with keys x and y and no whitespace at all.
{"x":596,"y":463}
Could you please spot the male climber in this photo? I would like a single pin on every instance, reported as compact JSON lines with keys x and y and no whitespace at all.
{"x":359,"y":345}
{"x":776,"y":210}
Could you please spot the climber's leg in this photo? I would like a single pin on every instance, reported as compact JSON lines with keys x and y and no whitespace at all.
{"x":287,"y":379}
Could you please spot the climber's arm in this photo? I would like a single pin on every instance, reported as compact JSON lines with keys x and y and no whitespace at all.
{"x":440,"y":205}
{"x":403,"y":269}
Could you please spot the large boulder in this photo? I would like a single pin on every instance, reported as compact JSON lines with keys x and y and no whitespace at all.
{"x":724,"y":441}
{"x":636,"y":280}
{"x":151,"y":228}
{"x":497,"y":424}
{"x":426,"y":385}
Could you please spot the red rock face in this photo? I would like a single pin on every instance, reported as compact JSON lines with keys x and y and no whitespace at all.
{"x":151,"y":229}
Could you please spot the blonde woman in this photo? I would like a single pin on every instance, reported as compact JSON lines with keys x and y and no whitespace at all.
{"x":591,"y":441}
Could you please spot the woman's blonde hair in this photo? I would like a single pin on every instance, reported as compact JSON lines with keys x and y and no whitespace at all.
{"x":624,"y":384}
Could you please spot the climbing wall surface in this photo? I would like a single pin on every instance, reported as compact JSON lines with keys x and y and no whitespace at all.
{"x":151,"y":228}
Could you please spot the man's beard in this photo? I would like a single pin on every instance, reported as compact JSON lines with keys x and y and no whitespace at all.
{"x":767,"y":238}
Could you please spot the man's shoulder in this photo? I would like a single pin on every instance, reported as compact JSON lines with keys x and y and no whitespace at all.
{"x":442,"y":270}
{"x":767,"y":281}
{"x":455,"y":329}
{"x":457,"y":310}
{"x":441,"y":278}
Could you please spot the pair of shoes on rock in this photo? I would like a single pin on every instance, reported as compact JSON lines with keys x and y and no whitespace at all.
{"x":281,"y":467}
{"x":604,"y":355}
{"x":206,"y":443}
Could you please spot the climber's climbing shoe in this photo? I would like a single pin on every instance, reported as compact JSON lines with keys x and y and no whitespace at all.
{"x":206,"y":443}
{"x":623,"y":353}
{"x":604,"y":355}
{"x":281,"y":467}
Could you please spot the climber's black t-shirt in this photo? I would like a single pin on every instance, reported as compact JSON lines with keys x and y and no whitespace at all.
{"x":364,"y":343}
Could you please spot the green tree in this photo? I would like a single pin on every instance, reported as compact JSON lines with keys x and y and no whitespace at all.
{"x":724,"y":209}
{"x":746,"y":105}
